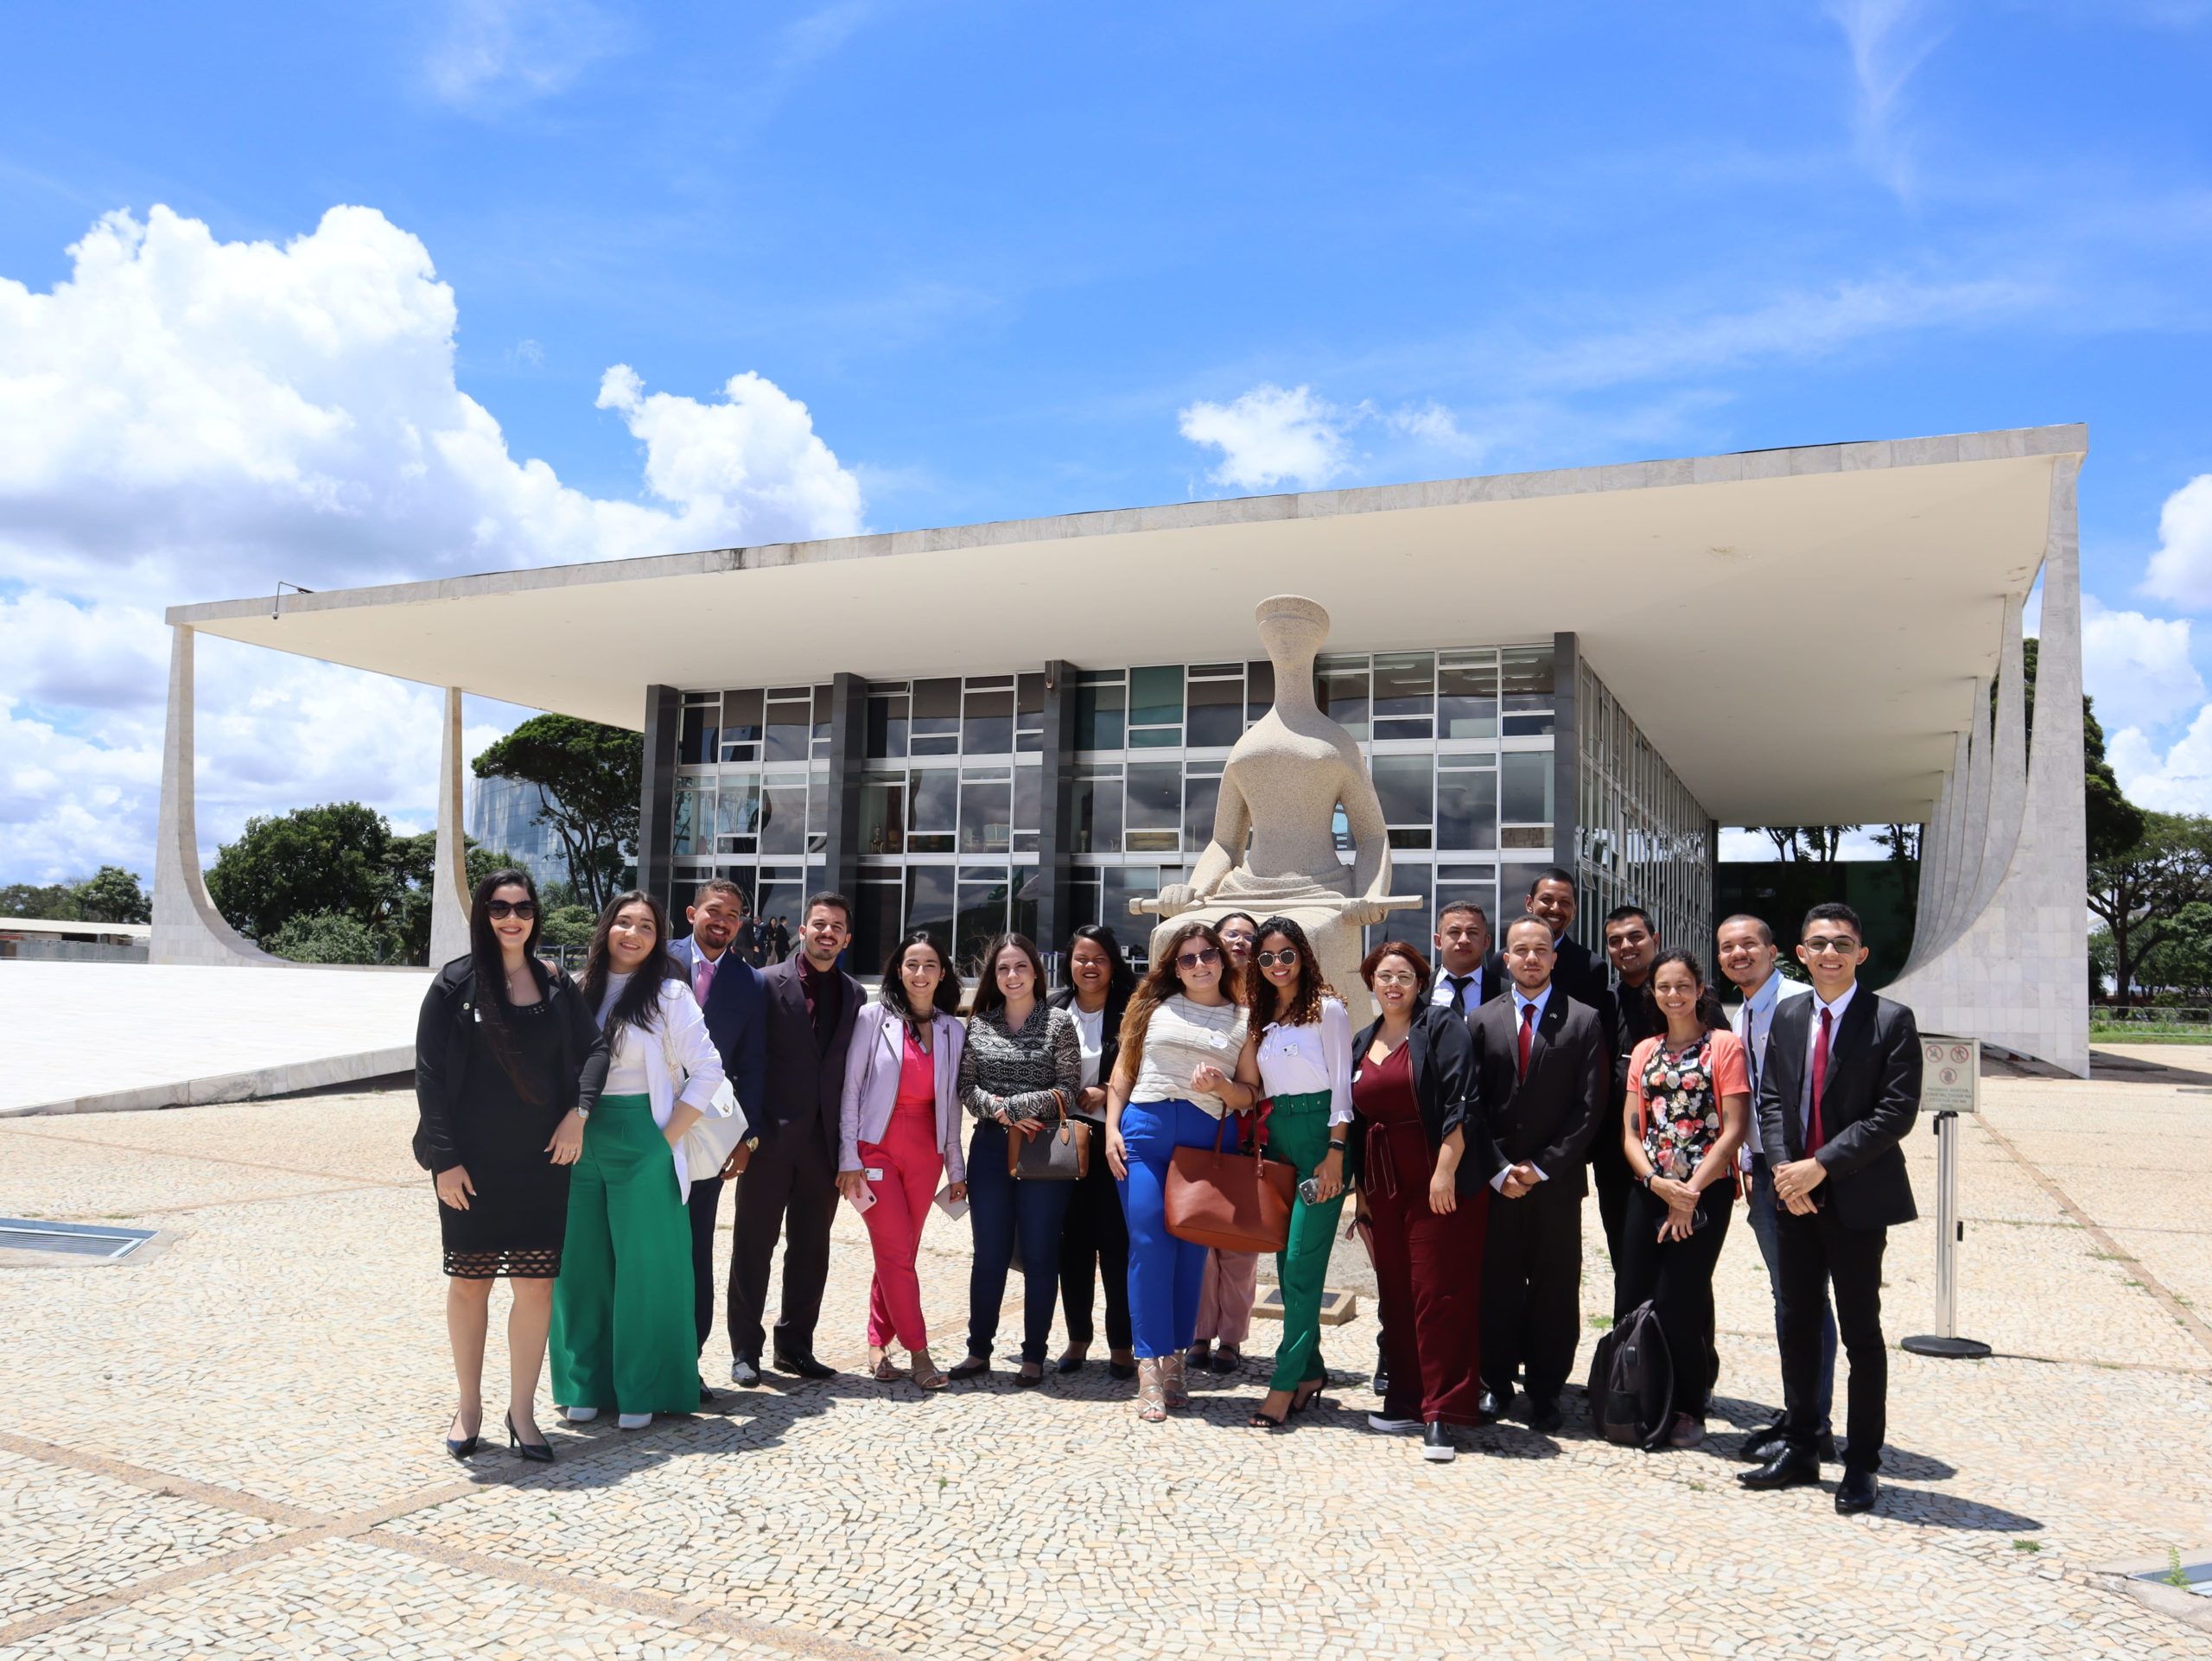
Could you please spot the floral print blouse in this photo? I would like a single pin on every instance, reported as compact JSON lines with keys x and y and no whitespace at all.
{"x":1681,"y":1091}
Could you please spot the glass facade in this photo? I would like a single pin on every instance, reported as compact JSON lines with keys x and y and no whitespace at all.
{"x":953,"y":775}
{"x":1640,"y":838}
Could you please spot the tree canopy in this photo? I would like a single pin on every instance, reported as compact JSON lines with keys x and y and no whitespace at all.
{"x":588,"y":778}
{"x":2151,"y":895}
{"x":110,"y":894}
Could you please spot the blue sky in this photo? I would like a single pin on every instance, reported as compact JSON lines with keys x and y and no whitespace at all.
{"x":1017,"y":260}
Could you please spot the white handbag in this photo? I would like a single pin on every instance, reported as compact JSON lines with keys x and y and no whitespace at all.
{"x":721,"y":1126}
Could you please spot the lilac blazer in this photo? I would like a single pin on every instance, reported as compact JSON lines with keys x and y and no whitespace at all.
{"x":871,"y":1067}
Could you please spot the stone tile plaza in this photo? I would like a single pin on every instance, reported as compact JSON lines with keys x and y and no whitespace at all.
{"x":229,"y":1448}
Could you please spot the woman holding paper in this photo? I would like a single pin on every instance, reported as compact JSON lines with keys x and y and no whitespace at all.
{"x":899,"y":1131}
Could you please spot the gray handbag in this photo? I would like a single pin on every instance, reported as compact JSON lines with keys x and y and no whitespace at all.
{"x":1061,"y":1154}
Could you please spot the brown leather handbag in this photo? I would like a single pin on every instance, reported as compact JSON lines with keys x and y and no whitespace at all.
{"x":1060,"y":1154}
{"x":1231,"y":1201}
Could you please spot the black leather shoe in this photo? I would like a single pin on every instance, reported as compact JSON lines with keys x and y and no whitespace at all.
{"x":1787,"y":1469}
{"x":1124,"y":1370}
{"x":745,"y":1371}
{"x":804,"y":1365}
{"x":1068,"y":1363}
{"x":1763,"y":1443}
{"x":1436,"y":1444}
{"x":1490,"y":1407}
{"x":1857,"y":1491}
{"x":1545,"y":1416}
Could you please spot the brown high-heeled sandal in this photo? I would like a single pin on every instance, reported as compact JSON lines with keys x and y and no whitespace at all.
{"x":1151,"y":1400}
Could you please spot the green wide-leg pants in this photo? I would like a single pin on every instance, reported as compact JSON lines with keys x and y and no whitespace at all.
{"x":1298,"y":1131}
{"x":624,"y":1335}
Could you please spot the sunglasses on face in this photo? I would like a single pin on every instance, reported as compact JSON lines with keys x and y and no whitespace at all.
{"x":497,"y":909}
{"x":1288,"y":957}
{"x":1205,"y":954}
{"x":1838,"y":943}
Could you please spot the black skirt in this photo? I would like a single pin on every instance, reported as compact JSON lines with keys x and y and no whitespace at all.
{"x":507,"y":1115}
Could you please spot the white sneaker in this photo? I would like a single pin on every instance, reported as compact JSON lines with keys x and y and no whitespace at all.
{"x":635,"y":1421}
{"x":579,"y":1415}
{"x":1394,"y":1427}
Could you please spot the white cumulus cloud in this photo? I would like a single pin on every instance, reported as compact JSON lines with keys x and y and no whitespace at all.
{"x":185,"y":418}
{"x":2181,"y":570}
{"x":1270,"y":436}
{"x":2179,"y":780}
{"x":2137,"y":668}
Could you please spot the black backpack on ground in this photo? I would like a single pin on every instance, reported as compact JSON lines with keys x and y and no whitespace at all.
{"x":1632,"y":1382}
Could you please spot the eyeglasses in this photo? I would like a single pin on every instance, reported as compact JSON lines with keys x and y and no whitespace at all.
{"x":1392,"y":977}
{"x":524,"y":909}
{"x":1205,"y":954}
{"x":1288,"y":957}
{"x":1838,"y":943}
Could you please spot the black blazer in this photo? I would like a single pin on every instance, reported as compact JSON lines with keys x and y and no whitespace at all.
{"x":441,"y":1053}
{"x":1110,"y":1037}
{"x":1442,"y":1057}
{"x":1871,"y":1098}
{"x":1635,"y":1017}
{"x":805,"y":1079}
{"x":1549,"y":1118}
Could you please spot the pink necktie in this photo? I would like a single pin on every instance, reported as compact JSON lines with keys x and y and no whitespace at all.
{"x":702,"y":977}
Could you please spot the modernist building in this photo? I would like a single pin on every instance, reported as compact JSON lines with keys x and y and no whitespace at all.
{"x":1025,"y":722}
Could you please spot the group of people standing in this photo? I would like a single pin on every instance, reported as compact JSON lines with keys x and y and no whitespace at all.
{"x":1468,"y":1122}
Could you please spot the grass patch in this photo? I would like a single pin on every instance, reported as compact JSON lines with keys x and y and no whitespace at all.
{"x":1601,"y":1323}
{"x":2027,"y":1545}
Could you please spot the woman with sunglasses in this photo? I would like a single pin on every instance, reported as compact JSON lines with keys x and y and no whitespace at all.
{"x":1232,"y":1278}
{"x":1095,"y":1243}
{"x":1301,"y":1058}
{"x":506,"y":1048}
{"x":624,"y":1334}
{"x":1183,"y":1042}
{"x":1020,"y":1072}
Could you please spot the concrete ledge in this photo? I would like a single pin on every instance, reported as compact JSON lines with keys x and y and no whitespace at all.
{"x":2190,"y":1606}
{"x":286,"y":1079}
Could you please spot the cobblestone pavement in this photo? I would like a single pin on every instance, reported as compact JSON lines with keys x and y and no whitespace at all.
{"x":232,"y":1448}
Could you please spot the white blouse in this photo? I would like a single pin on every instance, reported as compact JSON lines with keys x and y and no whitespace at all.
{"x":1300,"y":1060}
{"x":1091,"y":1035}
{"x":677,"y":1061}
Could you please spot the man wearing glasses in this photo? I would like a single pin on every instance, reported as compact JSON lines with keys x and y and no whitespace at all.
{"x":789,"y":1185}
{"x":1839,"y":1090}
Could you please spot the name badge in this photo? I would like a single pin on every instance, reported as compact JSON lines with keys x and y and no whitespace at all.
{"x":1219,"y":1040}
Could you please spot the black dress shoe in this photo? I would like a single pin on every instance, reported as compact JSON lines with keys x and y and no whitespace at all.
{"x":1436,"y":1444}
{"x":1763,"y":1443}
{"x":541,"y":1453}
{"x":1857,"y":1491}
{"x":1121,"y":1369}
{"x":745,"y":1371}
{"x":1787,"y":1469}
{"x":1489,"y":1407}
{"x":1068,"y":1363}
{"x":804,"y":1365}
{"x":1545,"y":1416}
{"x":461,"y":1448}
{"x":1025,"y":1379}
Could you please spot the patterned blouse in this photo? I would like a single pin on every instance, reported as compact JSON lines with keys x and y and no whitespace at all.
{"x":1020,"y":1071}
{"x":1681,"y":1093}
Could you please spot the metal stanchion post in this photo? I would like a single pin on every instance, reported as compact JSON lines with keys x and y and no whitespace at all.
{"x":1950,"y":1077}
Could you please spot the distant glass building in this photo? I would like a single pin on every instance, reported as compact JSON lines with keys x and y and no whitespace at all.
{"x":502,"y":816}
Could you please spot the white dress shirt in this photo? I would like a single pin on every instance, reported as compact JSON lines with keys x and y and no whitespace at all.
{"x":1300,"y":1060}
{"x":1522,"y":1000}
{"x":1813,"y":1041}
{"x":1441,"y":992}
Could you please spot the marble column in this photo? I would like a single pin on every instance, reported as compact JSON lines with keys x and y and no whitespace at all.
{"x":449,"y":891}
{"x":187,"y":929}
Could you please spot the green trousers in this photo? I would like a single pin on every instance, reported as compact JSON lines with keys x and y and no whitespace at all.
{"x":1298,"y":1131}
{"x":624,"y":1336}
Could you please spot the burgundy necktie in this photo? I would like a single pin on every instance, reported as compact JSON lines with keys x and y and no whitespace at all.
{"x":1820,"y":1083}
{"x":1527,"y":1032}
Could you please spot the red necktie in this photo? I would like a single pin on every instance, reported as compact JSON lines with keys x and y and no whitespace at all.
{"x":1820,"y":1083}
{"x":1527,"y":1032}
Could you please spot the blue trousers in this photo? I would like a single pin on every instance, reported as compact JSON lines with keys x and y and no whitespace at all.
{"x":1759,"y":1211}
{"x":998,"y":1209}
{"x":1165,"y":1273}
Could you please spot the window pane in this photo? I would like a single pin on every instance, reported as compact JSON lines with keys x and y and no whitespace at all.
{"x":822,"y":695}
{"x":1155,"y":738}
{"x":1095,"y":809}
{"x":1525,"y":674}
{"x":1524,"y":787}
{"x":1200,"y":795}
{"x":986,"y":815}
{"x":789,"y":726}
{"x":1341,"y":685}
{"x":930,"y":899}
{"x":1404,"y":684}
{"x":1466,"y":704}
{"x":1154,"y":807}
{"x":988,"y":728}
{"x":875,"y":922}
{"x":1028,"y":895}
{"x":887,"y":727}
{"x":1216,"y":714}
{"x":783,"y":813}
{"x":737,"y":813}
{"x":1118,"y":885}
{"x":817,"y":810}
{"x":1403,"y":783}
{"x":1098,"y":716}
{"x":683,"y":839}
{"x":982,"y":915}
{"x":1082,"y":898}
{"x":1156,"y":697}
{"x":1029,"y":808}
{"x":695,"y":742}
{"x":935,"y":716}
{"x":883,"y":816}
{"x":1259,"y":690}
{"x":932,"y":809}
{"x":1466,"y":808}
{"x":1029,"y":701}
{"x":741,"y":717}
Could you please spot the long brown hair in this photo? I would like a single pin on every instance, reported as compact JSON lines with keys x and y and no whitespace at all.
{"x":1161,"y":983}
{"x":640,"y":1004}
{"x":1305,"y":1008}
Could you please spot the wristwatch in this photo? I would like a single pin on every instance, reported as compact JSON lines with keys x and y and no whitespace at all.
{"x":581,"y":1112}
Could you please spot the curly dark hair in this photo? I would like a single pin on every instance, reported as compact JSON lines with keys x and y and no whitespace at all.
{"x":1304,"y":1007}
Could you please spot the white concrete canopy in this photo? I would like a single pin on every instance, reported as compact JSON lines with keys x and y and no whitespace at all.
{"x":1798,"y":631}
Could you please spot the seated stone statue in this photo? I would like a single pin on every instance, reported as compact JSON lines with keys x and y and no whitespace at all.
{"x":1285,"y":780}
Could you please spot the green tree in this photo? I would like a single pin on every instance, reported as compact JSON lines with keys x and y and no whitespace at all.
{"x":588,"y":778}
{"x":2142,"y":895}
{"x":51,"y":902}
{"x":111,"y":895}
{"x":337,"y":857}
{"x":326,"y":937}
{"x":570,"y":926}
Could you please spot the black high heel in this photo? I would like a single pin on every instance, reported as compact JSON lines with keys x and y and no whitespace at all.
{"x":537,"y":1453}
{"x":462,"y":1449}
{"x":1300,"y":1403}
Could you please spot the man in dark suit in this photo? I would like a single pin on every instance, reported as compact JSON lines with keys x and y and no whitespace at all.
{"x":1632,"y":943}
{"x":790,"y":1185}
{"x":1540,"y":1074}
{"x":1468,"y":973}
{"x":1839,"y":1090}
{"x":730,"y":996}
{"x":1577,"y":974}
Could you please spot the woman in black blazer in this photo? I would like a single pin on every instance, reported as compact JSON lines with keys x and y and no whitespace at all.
{"x":1415,"y":1114}
{"x":1096,"y":1240}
